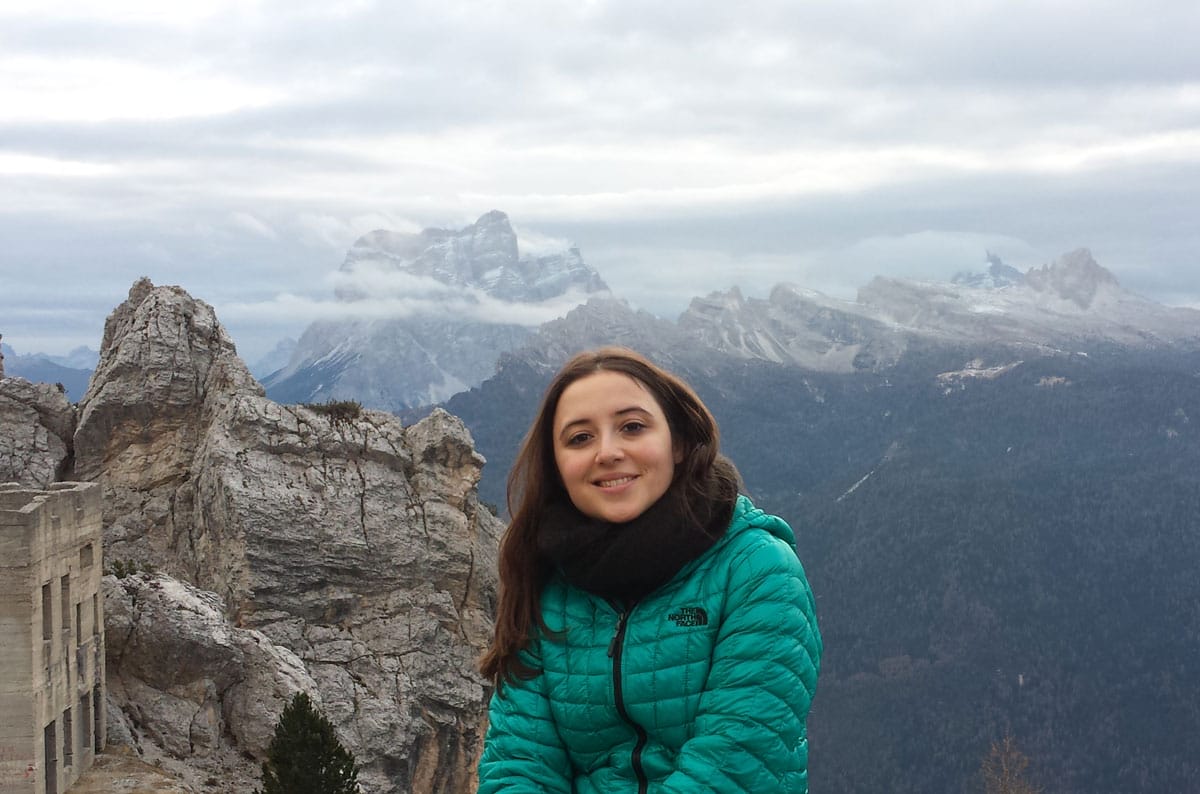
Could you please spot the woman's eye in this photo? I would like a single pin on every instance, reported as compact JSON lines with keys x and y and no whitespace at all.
{"x":633,"y":427}
{"x":578,"y":438}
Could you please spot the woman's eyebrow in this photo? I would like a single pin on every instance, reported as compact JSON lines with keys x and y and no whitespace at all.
{"x":618,"y":412}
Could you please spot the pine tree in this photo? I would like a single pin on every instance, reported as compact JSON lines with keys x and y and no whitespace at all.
{"x":305,"y":756}
{"x":1004,"y":770}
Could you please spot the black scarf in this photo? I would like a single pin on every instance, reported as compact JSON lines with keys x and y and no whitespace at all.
{"x":625,"y":562}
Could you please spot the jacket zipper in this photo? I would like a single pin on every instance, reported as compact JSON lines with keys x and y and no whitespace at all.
{"x":615,"y":647}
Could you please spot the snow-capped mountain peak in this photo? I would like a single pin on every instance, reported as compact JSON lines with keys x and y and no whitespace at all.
{"x":484,"y":256}
{"x":461,"y":297}
{"x":997,"y":276}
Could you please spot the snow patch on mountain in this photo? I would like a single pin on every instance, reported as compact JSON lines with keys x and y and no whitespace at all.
{"x":975,"y":370}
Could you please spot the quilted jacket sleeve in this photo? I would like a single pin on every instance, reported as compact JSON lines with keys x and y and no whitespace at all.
{"x":750,"y":732}
{"x":522,"y":752}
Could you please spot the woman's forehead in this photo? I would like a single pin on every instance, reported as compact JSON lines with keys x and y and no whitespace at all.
{"x":603,"y":394}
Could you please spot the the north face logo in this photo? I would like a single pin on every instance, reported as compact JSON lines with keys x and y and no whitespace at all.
{"x":686,"y":617}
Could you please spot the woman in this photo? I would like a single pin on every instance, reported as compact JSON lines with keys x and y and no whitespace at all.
{"x":655,"y":631}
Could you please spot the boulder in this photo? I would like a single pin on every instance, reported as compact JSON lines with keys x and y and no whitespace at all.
{"x":37,"y":422}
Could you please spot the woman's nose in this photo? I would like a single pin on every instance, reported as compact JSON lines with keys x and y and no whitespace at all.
{"x":609,"y":449}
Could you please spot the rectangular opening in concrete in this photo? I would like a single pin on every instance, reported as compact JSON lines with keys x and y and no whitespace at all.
{"x":66,"y":602}
{"x":68,"y":738}
{"x":47,"y":612}
{"x":87,"y":556}
{"x":98,"y":716}
{"x":66,"y":626}
{"x":85,"y":722}
{"x":50,"y":758}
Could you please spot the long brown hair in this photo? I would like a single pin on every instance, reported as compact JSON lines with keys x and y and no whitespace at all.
{"x":534,"y":482}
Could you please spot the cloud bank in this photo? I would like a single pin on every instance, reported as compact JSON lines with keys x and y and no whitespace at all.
{"x":239,"y":148}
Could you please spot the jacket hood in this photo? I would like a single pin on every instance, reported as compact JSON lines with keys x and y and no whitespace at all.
{"x":746,"y":517}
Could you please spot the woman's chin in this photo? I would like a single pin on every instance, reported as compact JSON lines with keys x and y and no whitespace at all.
{"x":613,"y":514}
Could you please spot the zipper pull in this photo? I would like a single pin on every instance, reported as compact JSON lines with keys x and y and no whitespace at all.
{"x":612,"y":644}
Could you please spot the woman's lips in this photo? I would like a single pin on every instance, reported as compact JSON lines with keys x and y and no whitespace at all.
{"x":616,"y":482}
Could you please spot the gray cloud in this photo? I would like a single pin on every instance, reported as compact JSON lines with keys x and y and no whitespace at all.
{"x":685,"y":146}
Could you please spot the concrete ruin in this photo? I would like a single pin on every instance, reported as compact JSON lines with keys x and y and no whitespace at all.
{"x":52,"y":690}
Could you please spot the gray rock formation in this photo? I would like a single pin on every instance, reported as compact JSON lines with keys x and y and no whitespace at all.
{"x":167,"y":370}
{"x":185,"y":676}
{"x":183,"y":681}
{"x":464,"y":295}
{"x":1075,"y":277}
{"x":793,"y":326}
{"x":997,"y":276}
{"x":36,"y":427}
{"x":333,"y":538}
{"x":1070,"y":304}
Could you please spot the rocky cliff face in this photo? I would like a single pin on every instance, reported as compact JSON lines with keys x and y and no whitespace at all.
{"x":167,"y":370}
{"x":183,"y":681}
{"x":462,"y":294}
{"x":345,"y":553}
{"x":36,"y":425}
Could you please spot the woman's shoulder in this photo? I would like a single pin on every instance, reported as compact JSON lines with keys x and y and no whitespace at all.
{"x":754,"y":533}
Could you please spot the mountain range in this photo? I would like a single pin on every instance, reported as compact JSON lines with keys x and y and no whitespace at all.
{"x":71,"y":370}
{"x":466,"y":296}
{"x":471,"y":296}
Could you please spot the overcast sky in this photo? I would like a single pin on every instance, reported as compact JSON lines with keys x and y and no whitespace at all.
{"x":238,"y":148}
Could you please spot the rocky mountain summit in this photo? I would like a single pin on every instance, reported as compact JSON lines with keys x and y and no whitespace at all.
{"x":997,"y":275}
{"x":483,"y":256}
{"x":457,"y":300}
{"x":326,"y":548}
{"x":1068,"y":305}
{"x":1072,"y":304}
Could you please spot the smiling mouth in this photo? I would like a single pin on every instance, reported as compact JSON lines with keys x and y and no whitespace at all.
{"x":615,"y":482}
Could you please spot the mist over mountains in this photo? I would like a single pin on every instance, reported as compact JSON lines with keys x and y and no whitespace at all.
{"x":472,"y":295}
{"x":465,"y":297}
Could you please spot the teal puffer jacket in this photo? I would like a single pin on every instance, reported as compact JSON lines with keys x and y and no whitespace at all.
{"x":703,"y":686}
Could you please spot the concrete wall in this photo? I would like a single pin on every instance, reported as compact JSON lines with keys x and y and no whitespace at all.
{"x":51,"y":606}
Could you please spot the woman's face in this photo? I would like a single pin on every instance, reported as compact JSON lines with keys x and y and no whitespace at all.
{"x":612,"y":446}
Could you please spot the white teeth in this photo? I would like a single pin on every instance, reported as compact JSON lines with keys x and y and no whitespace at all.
{"x":611,"y":483}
